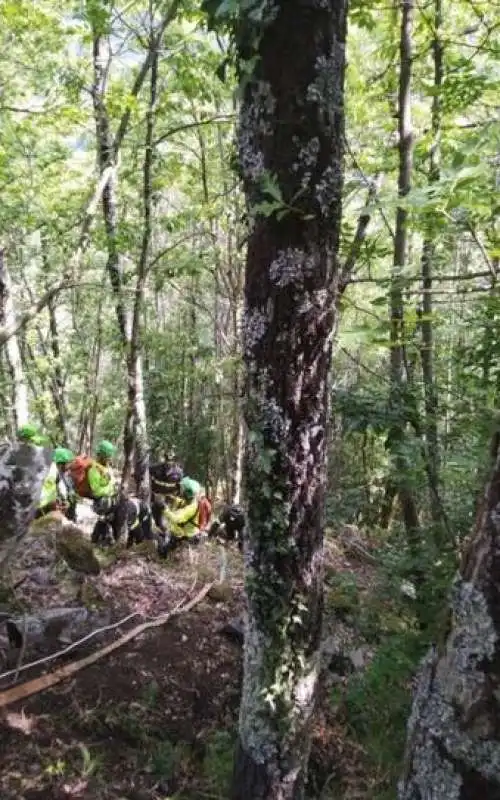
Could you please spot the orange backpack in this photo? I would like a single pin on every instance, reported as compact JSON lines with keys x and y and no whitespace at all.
{"x":78,"y":471}
{"x":204,"y":513}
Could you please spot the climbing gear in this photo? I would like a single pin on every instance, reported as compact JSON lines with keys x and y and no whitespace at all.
{"x":62,"y":455}
{"x":78,"y":472}
{"x":105,"y":448}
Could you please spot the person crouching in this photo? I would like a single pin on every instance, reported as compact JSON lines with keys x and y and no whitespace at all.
{"x":181,"y":523}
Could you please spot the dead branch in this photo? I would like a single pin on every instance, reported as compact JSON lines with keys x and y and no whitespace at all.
{"x":53,"y":678}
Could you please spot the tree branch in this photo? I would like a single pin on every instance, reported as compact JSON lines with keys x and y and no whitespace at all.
{"x":142,"y":74}
{"x":417,"y":278}
{"x":217,"y":120}
{"x":67,"y":281}
{"x":360,"y":235}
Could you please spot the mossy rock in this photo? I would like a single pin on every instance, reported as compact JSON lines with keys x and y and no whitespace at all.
{"x":50,"y":523}
{"x":91,"y":597}
{"x":220,"y":592}
{"x":77,"y":551}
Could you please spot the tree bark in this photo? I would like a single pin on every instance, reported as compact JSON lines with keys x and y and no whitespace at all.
{"x":291,"y":133}
{"x":19,"y":387}
{"x":398,"y":393}
{"x":453,"y":744}
{"x":23,"y":468}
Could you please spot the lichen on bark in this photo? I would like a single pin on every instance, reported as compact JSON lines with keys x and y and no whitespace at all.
{"x":288,"y":133}
{"x":453,"y":744}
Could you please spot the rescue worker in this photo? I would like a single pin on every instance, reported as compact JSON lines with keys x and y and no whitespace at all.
{"x":165,"y":486}
{"x":182,"y":523}
{"x":114,"y":511}
{"x":204,"y":505}
{"x":166,"y":475}
{"x":100,"y":478}
{"x":230,"y":525}
{"x":187,"y":522}
{"x":101,"y":488}
{"x":58,"y":491}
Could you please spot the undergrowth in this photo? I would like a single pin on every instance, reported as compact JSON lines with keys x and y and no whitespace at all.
{"x":376,"y":703}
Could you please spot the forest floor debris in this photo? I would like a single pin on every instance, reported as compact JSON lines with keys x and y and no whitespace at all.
{"x":158,"y":717}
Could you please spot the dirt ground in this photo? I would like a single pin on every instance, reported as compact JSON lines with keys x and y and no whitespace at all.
{"x":156,"y":720}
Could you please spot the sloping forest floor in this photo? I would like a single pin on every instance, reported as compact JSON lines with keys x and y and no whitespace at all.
{"x":157,"y":718}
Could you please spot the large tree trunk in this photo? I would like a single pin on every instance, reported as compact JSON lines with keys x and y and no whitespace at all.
{"x":20,"y":410}
{"x":291,"y":132}
{"x":453,"y":746}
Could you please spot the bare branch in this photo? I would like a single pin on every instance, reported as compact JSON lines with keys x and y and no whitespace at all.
{"x":360,"y":235}
{"x":217,"y":120}
{"x":417,"y":278}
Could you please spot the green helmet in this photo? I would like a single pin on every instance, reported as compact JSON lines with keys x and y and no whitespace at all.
{"x":62,"y":455}
{"x":189,"y":487}
{"x":106,"y":449}
{"x":28,"y":432}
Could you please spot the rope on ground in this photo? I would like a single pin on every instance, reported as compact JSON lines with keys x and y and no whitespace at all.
{"x":37,"y":685}
{"x":69,"y":647}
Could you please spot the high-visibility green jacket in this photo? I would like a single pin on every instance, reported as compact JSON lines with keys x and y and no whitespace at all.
{"x":49,"y":487}
{"x":55,"y":488}
{"x":183,"y":522}
{"x":101,"y":481}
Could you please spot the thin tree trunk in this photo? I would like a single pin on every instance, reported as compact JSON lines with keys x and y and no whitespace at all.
{"x":398,"y":395}
{"x":135,"y":426}
{"x":291,"y":127}
{"x":106,"y":159}
{"x":19,"y":387}
{"x":238,"y":437}
{"x":453,"y":747}
{"x":107,"y":152}
{"x":88,"y":416}
{"x":428,"y":258}
{"x":58,"y":379}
